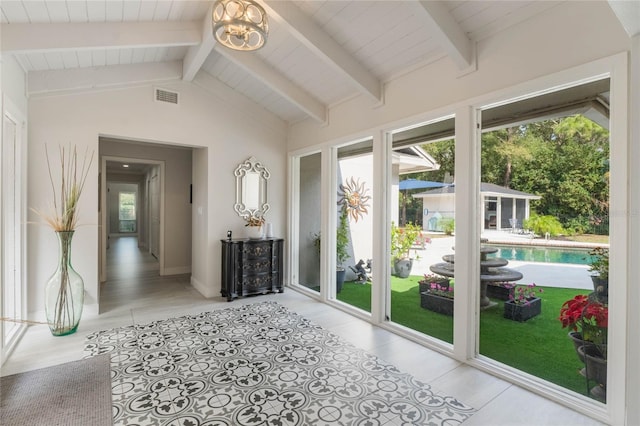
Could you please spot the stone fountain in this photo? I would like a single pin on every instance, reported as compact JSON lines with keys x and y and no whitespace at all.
{"x":492,"y":270}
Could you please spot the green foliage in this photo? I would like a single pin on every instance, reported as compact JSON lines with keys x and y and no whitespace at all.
{"x":444,"y":152}
{"x":342,"y":238}
{"x":600,"y":262}
{"x":540,"y":225}
{"x":447,"y":224}
{"x":402,"y":239}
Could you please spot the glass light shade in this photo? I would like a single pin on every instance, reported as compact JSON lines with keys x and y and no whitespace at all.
{"x":240,"y":24}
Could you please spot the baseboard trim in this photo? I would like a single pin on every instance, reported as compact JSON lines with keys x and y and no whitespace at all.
{"x":178,"y":270}
{"x":202,"y":289}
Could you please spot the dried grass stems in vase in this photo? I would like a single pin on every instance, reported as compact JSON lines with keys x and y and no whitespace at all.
{"x":64,"y":292}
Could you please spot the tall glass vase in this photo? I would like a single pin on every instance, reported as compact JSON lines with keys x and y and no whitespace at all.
{"x":64,"y":293}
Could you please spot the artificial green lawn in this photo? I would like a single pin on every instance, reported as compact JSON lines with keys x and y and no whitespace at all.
{"x":539,"y":346}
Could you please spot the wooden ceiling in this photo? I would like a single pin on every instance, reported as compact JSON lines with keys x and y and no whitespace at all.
{"x":318,"y":53}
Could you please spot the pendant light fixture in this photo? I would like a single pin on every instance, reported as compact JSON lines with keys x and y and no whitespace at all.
{"x":240,"y":24}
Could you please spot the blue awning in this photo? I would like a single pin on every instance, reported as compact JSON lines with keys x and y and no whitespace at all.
{"x":420,"y":184}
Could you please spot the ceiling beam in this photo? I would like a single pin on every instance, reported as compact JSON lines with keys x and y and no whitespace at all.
{"x":82,"y":79}
{"x":25,"y":38}
{"x":450,"y":35}
{"x":196,"y":55}
{"x":321,"y":44}
{"x":276,"y":81}
{"x":628,"y":13}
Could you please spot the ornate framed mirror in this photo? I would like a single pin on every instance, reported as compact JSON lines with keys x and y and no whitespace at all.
{"x":251,"y":189}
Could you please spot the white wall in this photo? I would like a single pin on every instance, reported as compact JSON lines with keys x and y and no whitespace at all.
{"x":13,"y":82}
{"x":201,"y":120}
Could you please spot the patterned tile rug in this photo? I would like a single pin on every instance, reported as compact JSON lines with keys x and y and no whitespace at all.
{"x":258,"y":364}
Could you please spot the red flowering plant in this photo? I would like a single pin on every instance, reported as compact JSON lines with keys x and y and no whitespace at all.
{"x":588,"y":317}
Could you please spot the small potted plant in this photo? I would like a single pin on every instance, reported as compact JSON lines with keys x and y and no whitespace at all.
{"x":438,"y":298}
{"x":254,"y":226}
{"x":402,"y":239}
{"x":523,"y":304}
{"x":428,"y":279}
{"x":600,"y":276}
{"x":588,"y":318}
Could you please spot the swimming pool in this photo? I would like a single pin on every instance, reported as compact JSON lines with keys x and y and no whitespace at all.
{"x":544,"y":254}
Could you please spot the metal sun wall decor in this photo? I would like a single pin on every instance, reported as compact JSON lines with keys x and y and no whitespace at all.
{"x":354,"y":198}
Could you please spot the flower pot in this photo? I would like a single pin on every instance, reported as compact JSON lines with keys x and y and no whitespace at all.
{"x":524,"y":311}
{"x":578,"y":342}
{"x":596,"y":365}
{"x":64,"y":292}
{"x":254,"y":232}
{"x":600,"y":288}
{"x":436,"y":303}
{"x":596,"y":370}
{"x":402,"y":267}
{"x":497,"y":291}
{"x":424,"y":285}
{"x":340,"y":275}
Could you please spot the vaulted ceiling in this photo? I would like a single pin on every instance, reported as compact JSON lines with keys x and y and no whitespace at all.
{"x":318,"y":53}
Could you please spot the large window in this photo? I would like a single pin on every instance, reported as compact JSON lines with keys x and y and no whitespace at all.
{"x":545,"y":256}
{"x":309,"y":219}
{"x":354,"y":224}
{"x":127,"y":211}
{"x":422,"y":229}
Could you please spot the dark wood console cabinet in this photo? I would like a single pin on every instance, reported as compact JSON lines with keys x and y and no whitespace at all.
{"x":251,"y":267}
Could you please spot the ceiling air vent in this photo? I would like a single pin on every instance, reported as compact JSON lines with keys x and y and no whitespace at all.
{"x":163,"y":95}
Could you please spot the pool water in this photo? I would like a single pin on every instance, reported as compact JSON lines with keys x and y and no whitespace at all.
{"x":544,"y":254}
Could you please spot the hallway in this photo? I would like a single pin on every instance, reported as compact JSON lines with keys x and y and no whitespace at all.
{"x":133,"y":277}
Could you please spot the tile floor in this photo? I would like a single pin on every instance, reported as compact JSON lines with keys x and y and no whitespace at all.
{"x":259,"y":364}
{"x":135,"y":294}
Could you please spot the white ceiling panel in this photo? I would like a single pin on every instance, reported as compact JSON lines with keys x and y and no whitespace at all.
{"x":147,"y":11}
{"x":85,"y":58}
{"x":37,"y":11}
{"x":96,"y":11}
{"x":77,"y":11}
{"x":131,"y":11}
{"x":14,"y":12}
{"x":70,"y":59}
{"x":162,"y":11}
{"x":58,"y":11}
{"x":99,"y":58}
{"x":303,"y":73}
{"x":114,"y":11}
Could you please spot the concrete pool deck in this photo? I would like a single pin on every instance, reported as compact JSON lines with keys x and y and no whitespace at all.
{"x":542,"y":274}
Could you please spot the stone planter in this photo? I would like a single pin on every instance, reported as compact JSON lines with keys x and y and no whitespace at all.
{"x":443,"y":282}
{"x":522,"y":312}
{"x":402,"y":268}
{"x":578,"y":343}
{"x":340,"y":276}
{"x":600,"y":288}
{"x":497,"y":291}
{"x":596,"y":370}
{"x":433,"y":302}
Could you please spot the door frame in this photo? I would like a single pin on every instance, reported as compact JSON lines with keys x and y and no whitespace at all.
{"x":12,"y":112}
{"x":103,"y":211}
